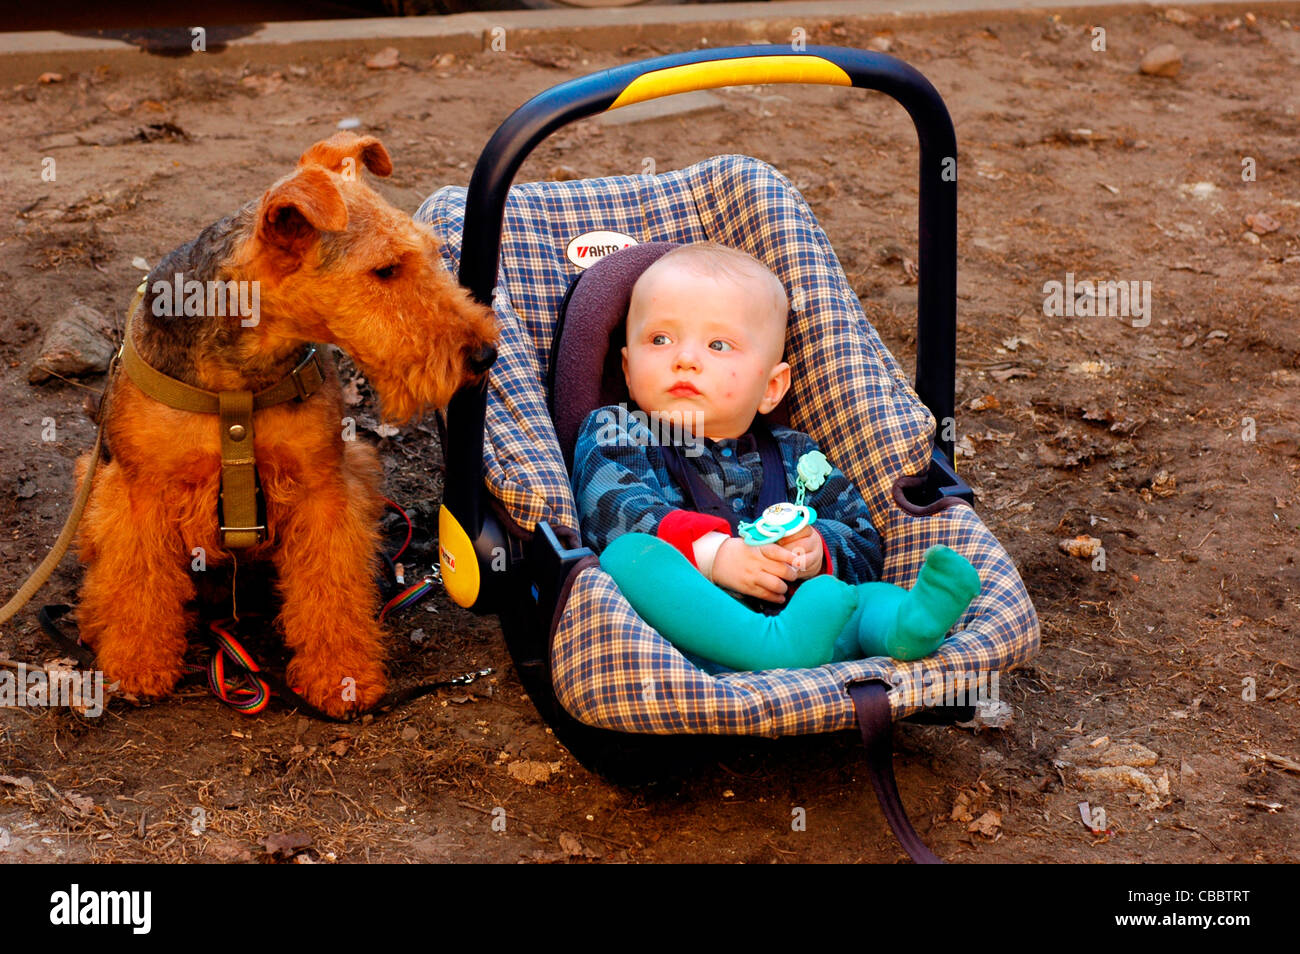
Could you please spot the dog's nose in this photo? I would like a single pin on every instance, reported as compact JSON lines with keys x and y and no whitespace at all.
{"x":482,"y":358}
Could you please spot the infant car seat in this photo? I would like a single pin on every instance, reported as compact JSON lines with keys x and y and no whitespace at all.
{"x":509,"y":540}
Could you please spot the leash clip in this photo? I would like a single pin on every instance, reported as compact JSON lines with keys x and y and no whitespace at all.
{"x":469,"y":677}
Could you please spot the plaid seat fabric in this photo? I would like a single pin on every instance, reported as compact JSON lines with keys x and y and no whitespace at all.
{"x":610,"y":668}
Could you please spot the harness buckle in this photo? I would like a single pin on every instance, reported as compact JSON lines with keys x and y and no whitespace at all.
{"x":259,"y":534}
{"x":308,"y":360}
{"x":260,"y":529}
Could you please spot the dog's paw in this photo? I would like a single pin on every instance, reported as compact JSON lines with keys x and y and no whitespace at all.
{"x":338,"y":694}
{"x":142,"y":682}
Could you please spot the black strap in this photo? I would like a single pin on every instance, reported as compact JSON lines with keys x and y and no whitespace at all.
{"x":389,"y":702}
{"x":871,"y":703}
{"x":73,"y":647}
{"x":50,"y":614}
{"x":701,"y":498}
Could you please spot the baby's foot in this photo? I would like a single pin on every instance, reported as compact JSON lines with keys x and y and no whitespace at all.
{"x":944,"y":588}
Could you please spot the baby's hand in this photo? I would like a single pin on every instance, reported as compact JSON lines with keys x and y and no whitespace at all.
{"x":806,"y":549}
{"x":754,"y":571}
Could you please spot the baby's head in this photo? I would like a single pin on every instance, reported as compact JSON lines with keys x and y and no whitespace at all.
{"x":688,"y":301}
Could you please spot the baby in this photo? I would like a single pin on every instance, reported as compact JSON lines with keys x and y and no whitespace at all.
{"x":705,"y":336}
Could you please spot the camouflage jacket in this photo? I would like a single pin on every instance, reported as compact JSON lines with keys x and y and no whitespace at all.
{"x":620,"y":484}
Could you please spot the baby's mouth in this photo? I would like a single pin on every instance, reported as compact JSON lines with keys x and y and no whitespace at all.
{"x":682,"y":389}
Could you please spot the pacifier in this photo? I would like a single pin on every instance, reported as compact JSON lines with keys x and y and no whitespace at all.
{"x":781,"y":520}
{"x":777,"y":521}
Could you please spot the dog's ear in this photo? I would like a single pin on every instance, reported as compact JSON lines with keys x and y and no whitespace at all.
{"x":297,"y":209}
{"x":344,"y":150}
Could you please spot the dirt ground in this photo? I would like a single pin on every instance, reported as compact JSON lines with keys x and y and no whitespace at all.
{"x":1175,"y":443}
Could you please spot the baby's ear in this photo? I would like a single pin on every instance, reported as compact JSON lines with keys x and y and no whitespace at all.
{"x":778,"y":383}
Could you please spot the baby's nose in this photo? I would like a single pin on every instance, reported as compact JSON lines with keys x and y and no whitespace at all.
{"x":686,"y":358}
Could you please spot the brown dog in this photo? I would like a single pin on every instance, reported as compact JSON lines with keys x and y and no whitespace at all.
{"x":327,"y":260}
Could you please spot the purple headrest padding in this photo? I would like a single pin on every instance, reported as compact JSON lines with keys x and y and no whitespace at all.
{"x":589,"y":360}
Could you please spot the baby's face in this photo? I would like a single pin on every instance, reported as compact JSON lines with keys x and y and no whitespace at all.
{"x":706,"y":348}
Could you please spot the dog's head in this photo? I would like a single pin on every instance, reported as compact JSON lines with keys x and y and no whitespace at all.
{"x":338,"y":263}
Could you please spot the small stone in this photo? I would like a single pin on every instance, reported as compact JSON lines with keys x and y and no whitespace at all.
{"x":50,"y":78}
{"x":1054,"y":30}
{"x":385,"y":59}
{"x":351,"y":122}
{"x":1198,"y":190}
{"x":1128,"y":753}
{"x":228,"y":851}
{"x":1163,"y":60}
{"x":570,"y":844}
{"x":563,"y":173}
{"x":117,"y":103}
{"x":993,"y":714}
{"x":987,"y":824}
{"x":1113,"y":778}
{"x":1081,"y":546}
{"x":1261,"y":223}
{"x":443,"y":60}
{"x":76,"y":345}
{"x":532,"y":772}
{"x":263,"y":84}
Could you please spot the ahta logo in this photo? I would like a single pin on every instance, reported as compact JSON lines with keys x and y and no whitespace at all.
{"x":590,"y":247}
{"x":586,"y":251}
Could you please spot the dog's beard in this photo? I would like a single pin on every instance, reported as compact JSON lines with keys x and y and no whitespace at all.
{"x":406,"y":393}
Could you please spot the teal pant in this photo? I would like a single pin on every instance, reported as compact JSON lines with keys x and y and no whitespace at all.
{"x":826,"y":620}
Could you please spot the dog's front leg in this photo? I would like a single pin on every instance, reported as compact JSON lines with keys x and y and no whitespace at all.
{"x":328,"y":545}
{"x":133,"y":598}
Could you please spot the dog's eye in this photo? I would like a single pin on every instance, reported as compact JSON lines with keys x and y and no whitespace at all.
{"x":387,"y":272}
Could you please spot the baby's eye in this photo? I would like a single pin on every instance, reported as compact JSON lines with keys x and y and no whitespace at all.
{"x":718,"y":341}
{"x":656,"y":339}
